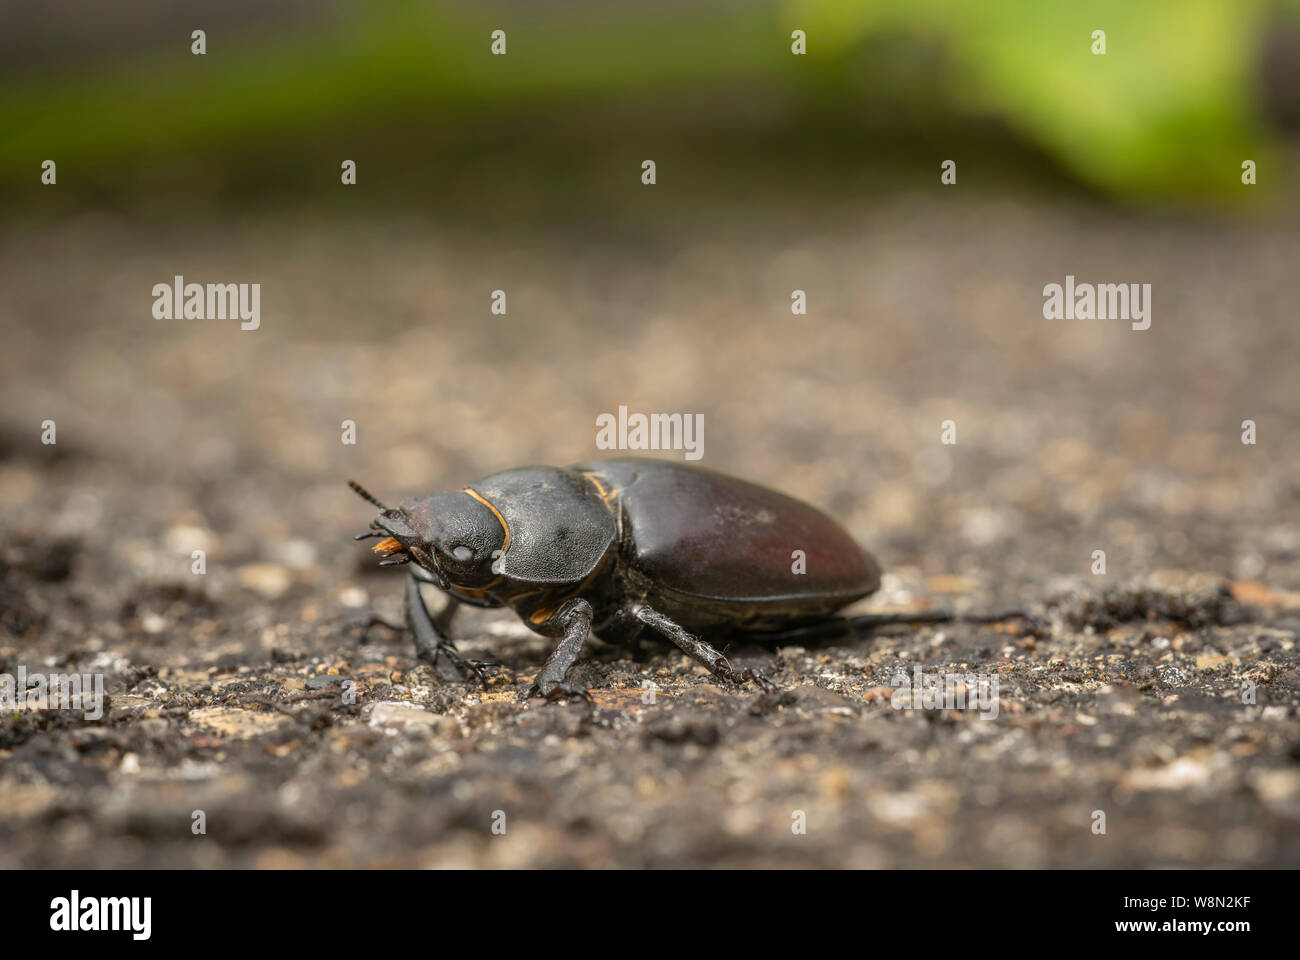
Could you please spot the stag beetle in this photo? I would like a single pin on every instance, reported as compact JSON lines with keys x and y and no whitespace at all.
{"x":616,"y":546}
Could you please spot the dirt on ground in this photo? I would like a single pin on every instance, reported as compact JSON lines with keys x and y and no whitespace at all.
{"x":1148,"y":717}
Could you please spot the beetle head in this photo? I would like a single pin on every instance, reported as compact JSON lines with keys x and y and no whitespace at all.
{"x":454,"y":536}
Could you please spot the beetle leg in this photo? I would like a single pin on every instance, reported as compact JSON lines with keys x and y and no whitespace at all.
{"x":623,"y":630}
{"x":443,"y":620}
{"x":431,"y":641}
{"x":574,"y":617}
{"x":697,"y":649}
{"x":368,"y":621}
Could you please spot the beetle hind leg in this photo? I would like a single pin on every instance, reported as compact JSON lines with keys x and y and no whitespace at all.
{"x":698,"y":650}
{"x":623,"y":630}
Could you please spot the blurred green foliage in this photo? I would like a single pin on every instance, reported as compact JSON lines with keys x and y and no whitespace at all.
{"x":1167,"y":114}
{"x":1169,"y":110}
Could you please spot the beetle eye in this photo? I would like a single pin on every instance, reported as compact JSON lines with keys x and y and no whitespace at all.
{"x":462,"y":554}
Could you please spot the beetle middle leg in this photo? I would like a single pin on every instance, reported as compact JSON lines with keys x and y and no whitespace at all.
{"x":697,"y":649}
{"x":574,"y":619}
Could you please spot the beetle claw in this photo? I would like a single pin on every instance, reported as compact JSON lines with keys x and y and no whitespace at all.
{"x":749,"y":674}
{"x":561,"y":691}
{"x":477,"y":667}
{"x":757,"y":676}
{"x":463,"y":667}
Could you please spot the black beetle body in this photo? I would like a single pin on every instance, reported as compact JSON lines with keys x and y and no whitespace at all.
{"x":615,"y":546}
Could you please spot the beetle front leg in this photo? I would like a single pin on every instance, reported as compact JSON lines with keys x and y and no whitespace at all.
{"x":430,"y":639}
{"x":697,"y":649}
{"x":574,"y":618}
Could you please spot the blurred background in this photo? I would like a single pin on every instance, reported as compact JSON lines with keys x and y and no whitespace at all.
{"x":522,"y":172}
{"x":775,"y":172}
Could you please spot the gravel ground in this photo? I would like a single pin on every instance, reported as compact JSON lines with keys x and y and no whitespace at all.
{"x":226,"y":691}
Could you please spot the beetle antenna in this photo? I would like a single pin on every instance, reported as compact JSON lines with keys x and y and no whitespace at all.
{"x":365,"y":494}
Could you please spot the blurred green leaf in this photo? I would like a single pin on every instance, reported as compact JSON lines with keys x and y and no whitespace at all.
{"x":1169,"y":110}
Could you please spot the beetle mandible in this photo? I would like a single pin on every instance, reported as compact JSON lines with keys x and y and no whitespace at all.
{"x":615,"y":547}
